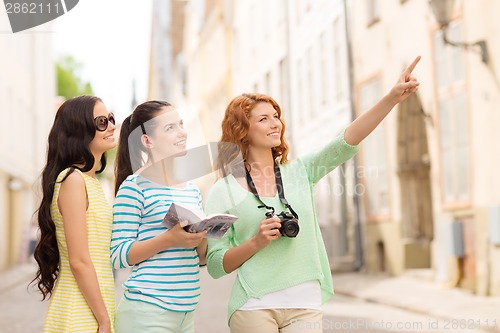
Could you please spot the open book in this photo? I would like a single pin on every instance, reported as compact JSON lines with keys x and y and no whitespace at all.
{"x":216,"y":225}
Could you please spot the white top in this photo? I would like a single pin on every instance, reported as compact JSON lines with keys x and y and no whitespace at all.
{"x":303,"y":296}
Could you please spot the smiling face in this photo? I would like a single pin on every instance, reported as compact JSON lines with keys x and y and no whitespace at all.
{"x":265,"y":127}
{"x":168,"y":138}
{"x":103,"y":140}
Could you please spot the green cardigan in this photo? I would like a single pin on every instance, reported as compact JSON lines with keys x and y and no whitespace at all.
{"x":285,"y":262}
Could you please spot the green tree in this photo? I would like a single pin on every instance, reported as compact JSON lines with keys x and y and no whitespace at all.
{"x":69,"y":84}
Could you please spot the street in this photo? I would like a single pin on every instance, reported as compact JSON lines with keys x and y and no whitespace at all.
{"x":22,"y":312}
{"x":358,"y":316}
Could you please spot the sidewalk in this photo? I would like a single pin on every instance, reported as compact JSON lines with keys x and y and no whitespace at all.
{"x":420,"y":296}
{"x":406,"y":292}
{"x":13,"y":276}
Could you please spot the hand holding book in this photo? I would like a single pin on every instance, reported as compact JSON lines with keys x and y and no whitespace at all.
{"x":195,"y":220}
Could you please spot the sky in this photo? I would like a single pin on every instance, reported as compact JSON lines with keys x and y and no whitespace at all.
{"x":111,"y":39}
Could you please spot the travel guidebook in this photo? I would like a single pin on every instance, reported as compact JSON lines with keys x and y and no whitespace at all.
{"x":216,"y":225}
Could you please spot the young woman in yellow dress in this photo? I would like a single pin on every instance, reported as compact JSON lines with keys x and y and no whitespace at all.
{"x":75,"y":220}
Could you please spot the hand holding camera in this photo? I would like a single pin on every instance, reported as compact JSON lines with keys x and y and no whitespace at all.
{"x":289,"y":224}
{"x":268,"y":231}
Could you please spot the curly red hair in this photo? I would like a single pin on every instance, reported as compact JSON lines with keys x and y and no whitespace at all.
{"x":235,"y":127}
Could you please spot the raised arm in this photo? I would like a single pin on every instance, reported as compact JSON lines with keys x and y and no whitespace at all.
{"x":362,"y":126}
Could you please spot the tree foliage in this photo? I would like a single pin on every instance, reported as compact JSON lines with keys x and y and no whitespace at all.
{"x":69,"y":83}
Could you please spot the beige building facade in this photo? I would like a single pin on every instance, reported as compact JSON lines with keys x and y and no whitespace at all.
{"x":27,"y":99}
{"x":208,"y":62}
{"x":433,"y":201}
{"x":320,"y":104}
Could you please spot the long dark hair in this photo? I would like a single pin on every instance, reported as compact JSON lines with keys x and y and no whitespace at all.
{"x":129,"y":157}
{"x":68,"y":145}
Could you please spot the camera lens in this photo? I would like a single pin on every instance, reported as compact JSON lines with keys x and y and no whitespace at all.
{"x":289,"y":228}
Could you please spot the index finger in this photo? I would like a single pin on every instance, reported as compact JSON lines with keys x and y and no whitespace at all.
{"x":410,"y":68}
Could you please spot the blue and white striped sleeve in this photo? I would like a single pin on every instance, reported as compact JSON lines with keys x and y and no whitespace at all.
{"x":127,"y":212}
{"x":200,"y":201}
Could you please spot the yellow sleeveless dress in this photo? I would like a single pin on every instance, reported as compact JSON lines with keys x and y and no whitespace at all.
{"x":68,"y":310}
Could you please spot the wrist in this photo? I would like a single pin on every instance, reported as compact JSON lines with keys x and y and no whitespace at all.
{"x":254,"y":245}
{"x":103,"y":320}
{"x":203,"y":245}
{"x":166,"y":239}
{"x":391,"y":99}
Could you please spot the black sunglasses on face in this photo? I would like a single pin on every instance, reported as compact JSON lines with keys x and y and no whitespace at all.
{"x":101,"y":122}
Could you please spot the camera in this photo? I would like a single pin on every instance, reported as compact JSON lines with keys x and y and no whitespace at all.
{"x":289,"y":224}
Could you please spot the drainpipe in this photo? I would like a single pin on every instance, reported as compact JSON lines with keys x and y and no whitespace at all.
{"x":358,"y":241}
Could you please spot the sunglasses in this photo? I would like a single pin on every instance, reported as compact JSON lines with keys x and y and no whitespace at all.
{"x":102,"y":122}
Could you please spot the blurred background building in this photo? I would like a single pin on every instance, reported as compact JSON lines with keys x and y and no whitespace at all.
{"x":27,"y":108}
{"x":434,"y":201}
{"x":422,"y":194}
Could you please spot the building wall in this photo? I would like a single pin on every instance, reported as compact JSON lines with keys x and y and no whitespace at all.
{"x":161,"y":63}
{"x":484,"y":90}
{"x":207,"y":52}
{"x":391,"y":45}
{"x":380,"y":52}
{"x":320,"y":107}
{"x":27,"y":95}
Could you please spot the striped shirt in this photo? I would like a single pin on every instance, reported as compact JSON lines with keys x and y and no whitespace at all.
{"x":169,"y":279}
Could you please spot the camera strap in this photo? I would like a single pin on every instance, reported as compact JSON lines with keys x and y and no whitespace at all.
{"x":279,"y":187}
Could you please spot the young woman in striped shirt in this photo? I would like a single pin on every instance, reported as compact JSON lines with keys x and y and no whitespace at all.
{"x":163,"y":289}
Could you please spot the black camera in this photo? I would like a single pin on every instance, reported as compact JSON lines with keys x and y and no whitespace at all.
{"x":289,"y":224}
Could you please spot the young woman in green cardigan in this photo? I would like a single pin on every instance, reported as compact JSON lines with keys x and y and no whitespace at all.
{"x":283,"y":276}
